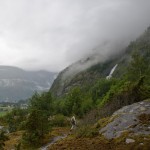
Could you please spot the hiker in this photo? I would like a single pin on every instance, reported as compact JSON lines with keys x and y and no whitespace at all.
{"x":73,"y":123}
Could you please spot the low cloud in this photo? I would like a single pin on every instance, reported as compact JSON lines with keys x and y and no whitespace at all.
{"x":52,"y":34}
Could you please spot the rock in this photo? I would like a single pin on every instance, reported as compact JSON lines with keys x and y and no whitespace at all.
{"x":131,"y":110}
{"x":130,"y":141}
{"x":142,"y":108}
{"x":141,"y":143}
{"x":127,"y":118}
{"x":141,"y":103}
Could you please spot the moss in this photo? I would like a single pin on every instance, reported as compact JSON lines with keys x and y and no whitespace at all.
{"x":122,"y":138}
{"x":104,"y":121}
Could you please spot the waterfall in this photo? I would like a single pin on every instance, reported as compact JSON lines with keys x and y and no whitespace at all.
{"x":112,"y":71}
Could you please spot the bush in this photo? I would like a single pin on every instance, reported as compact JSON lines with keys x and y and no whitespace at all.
{"x":15,"y":118}
{"x":59,"y":121}
{"x":29,"y":139}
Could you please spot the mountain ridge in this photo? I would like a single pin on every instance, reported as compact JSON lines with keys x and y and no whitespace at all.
{"x":17,"y":84}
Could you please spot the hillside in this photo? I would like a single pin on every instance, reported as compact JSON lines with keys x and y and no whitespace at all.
{"x":128,"y":128}
{"x":17,"y":84}
{"x":70,"y":77}
{"x":86,"y":72}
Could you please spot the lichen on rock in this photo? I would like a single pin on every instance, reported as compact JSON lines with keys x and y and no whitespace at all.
{"x":134,"y":118}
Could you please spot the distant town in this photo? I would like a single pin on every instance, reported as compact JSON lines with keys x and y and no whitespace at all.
{"x":6,"y":107}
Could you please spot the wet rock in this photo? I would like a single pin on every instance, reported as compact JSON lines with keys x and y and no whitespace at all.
{"x":130,"y":141}
{"x":1,"y":127}
{"x":127,"y":118}
{"x":142,"y":108}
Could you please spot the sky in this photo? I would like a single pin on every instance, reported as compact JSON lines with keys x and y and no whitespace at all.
{"x":52,"y":34}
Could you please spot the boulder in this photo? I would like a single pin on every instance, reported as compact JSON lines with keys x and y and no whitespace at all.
{"x":134,"y":118}
{"x":130,"y":141}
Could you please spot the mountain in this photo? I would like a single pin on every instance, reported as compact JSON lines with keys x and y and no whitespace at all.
{"x":18,"y":84}
{"x":85,"y":73}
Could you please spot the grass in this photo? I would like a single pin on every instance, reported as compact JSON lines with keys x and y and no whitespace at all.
{"x":100,"y":143}
{"x":4,"y":110}
{"x":57,"y":131}
{"x":3,"y":113}
{"x":14,"y":139}
{"x":86,"y":131}
{"x":72,"y":143}
{"x":103,"y":122}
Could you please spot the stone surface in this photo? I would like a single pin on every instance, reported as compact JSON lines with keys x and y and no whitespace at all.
{"x":126,"y":119}
{"x":130,"y":141}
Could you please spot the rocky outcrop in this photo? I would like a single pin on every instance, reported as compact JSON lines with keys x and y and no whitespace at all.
{"x":134,"y":119}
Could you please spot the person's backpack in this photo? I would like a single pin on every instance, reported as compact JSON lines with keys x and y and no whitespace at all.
{"x":73,"y":121}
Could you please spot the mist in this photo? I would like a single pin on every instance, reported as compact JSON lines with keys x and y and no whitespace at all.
{"x":52,"y":34}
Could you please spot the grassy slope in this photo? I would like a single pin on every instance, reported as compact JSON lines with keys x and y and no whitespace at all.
{"x":100,"y":143}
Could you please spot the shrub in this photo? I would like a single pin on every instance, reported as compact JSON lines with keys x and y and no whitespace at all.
{"x":59,"y":121}
{"x":15,"y":118}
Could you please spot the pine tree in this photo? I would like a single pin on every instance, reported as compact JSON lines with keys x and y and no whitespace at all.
{"x":138,"y":67}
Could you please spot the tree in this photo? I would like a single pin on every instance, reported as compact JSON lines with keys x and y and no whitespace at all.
{"x":138,"y":67}
{"x":15,"y":118}
{"x":100,"y":89}
{"x":37,"y":124}
{"x":42,"y":102}
{"x":73,"y":102}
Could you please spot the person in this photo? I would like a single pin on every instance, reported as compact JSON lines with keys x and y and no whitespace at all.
{"x":73,"y":123}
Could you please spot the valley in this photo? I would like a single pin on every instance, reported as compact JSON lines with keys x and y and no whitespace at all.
{"x":110,"y":101}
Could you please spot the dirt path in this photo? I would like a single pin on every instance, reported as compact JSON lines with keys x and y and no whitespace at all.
{"x":55,"y":139}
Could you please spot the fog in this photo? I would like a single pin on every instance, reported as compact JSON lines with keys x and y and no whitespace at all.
{"x":52,"y":34}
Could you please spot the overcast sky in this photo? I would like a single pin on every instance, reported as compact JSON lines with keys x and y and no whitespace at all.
{"x":51,"y":34}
